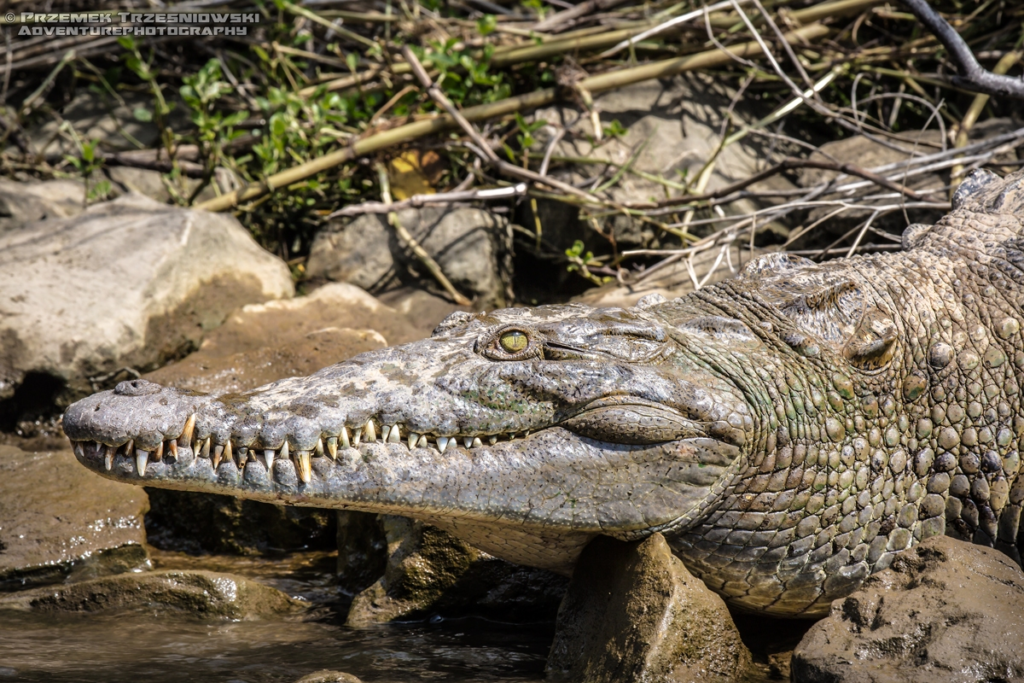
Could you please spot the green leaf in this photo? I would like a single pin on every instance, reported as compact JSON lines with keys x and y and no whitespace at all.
{"x":142,"y":114}
{"x":486,"y":24}
{"x":127,"y":42}
{"x":352,"y":60}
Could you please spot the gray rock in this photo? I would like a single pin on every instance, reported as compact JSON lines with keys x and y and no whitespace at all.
{"x":56,"y":523}
{"x":672,"y":128}
{"x":945,"y":610}
{"x":634,"y":613}
{"x":153,"y":185}
{"x":429,"y":571}
{"x":867,"y":153}
{"x":23,"y":202}
{"x":209,"y":595}
{"x":471,"y":246}
{"x":128,"y":283}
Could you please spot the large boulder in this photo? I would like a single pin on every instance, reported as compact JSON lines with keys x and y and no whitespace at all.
{"x":262,"y":343}
{"x":126,"y":284}
{"x":57,"y":521}
{"x":430,"y":572}
{"x":666,"y":131}
{"x":24,"y":202}
{"x":945,"y":610}
{"x":634,"y":613}
{"x":203,"y":594}
{"x":471,"y":246}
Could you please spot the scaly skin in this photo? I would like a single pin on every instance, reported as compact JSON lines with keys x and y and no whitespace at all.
{"x":789,"y":431}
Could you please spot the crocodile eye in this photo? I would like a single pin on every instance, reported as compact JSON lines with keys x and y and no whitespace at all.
{"x":513,"y":341}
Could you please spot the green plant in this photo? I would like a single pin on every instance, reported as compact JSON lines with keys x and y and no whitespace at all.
{"x":580,"y":261}
{"x":88,"y":164}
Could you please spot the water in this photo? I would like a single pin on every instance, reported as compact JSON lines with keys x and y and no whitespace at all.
{"x":145,"y":645}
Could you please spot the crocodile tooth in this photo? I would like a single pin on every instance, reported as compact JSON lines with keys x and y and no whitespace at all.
{"x":303,"y":466}
{"x":141,"y":458}
{"x":243,"y":455}
{"x":186,"y":433}
{"x":218,"y":454}
{"x":442,"y":443}
{"x":395,"y":435}
{"x":385,"y":430}
{"x":129,"y":448}
{"x":468,"y":441}
{"x":414,"y":438}
{"x":511,"y":436}
{"x":370,"y":432}
{"x":284,"y":450}
{"x":204,"y":452}
{"x":477,"y":443}
{"x":229,"y":452}
{"x":268,"y":459}
{"x":108,"y":457}
{"x":78,"y":450}
{"x":492,"y":440}
{"x":332,"y":447}
{"x":421,"y":442}
{"x":172,"y":448}
{"x":357,"y":436}
{"x":319,"y":448}
{"x":158,"y":454}
{"x":345,"y":443}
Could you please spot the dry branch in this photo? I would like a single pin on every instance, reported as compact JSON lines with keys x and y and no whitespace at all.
{"x":538,"y":98}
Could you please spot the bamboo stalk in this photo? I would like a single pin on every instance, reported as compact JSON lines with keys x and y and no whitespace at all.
{"x":538,"y":98}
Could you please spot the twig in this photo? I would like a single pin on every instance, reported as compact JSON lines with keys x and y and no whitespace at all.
{"x":972,"y":76}
{"x":406,"y":237}
{"x":560,"y":19}
{"x":974,"y":111}
{"x":787,"y":164}
{"x":419,"y":200}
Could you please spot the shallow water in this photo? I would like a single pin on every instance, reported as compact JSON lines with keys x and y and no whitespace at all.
{"x":144,"y":647}
{"x":155,"y":647}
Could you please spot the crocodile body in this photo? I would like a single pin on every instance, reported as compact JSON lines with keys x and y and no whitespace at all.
{"x":789,"y":431}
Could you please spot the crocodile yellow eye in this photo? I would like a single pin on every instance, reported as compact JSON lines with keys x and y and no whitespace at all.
{"x":513,"y":341}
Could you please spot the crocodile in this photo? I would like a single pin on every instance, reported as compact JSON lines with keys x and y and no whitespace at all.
{"x":789,"y":431}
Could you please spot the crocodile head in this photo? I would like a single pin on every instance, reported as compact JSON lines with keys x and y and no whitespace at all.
{"x":524,"y":431}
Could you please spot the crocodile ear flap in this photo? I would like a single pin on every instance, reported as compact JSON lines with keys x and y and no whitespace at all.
{"x":837,"y":313}
{"x":873,"y":343}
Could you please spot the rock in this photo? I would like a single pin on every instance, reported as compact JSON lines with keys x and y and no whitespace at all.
{"x":429,"y":571}
{"x":634,"y":613}
{"x":56,"y":521}
{"x":673,"y":280}
{"x":152,"y":184}
{"x":34,"y":201}
{"x":867,"y":154}
{"x":472,"y":247}
{"x":327,"y":676}
{"x":945,"y":610}
{"x":209,"y":595}
{"x":129,"y":283}
{"x":671,"y":128}
{"x":262,"y":343}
